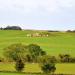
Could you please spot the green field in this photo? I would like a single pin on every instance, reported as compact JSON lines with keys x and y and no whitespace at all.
{"x":56,"y":43}
{"x":30,"y":68}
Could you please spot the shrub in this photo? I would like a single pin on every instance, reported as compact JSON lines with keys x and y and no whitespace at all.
{"x":47,"y":64}
{"x":19,"y":65}
{"x":48,"y":68}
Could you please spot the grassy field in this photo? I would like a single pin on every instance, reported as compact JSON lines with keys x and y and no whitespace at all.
{"x":56,"y":43}
{"x":30,"y":68}
{"x":12,"y":74}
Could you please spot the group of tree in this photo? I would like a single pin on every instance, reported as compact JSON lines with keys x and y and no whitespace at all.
{"x":70,"y":31}
{"x":21,"y":54}
{"x":32,"y":53}
{"x":11,"y":28}
{"x":66,"y":58}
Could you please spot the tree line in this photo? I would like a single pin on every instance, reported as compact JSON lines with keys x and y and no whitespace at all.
{"x":19,"y":28}
{"x":11,"y":28}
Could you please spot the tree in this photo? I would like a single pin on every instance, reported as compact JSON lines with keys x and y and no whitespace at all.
{"x":35,"y":51}
{"x":48,"y":68}
{"x":65,"y":58}
{"x":72,"y":59}
{"x":17,"y":53}
{"x":19,"y":65}
{"x":47,"y":65}
{"x":1,"y":59}
{"x":1,"y":28}
{"x":13,"y":28}
{"x":68,"y":31}
{"x":43,"y":53}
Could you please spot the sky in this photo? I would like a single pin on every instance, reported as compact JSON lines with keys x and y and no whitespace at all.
{"x":38,"y":14}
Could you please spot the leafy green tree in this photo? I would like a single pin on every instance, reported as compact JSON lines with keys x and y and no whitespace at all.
{"x":47,"y":65}
{"x":29,"y":58}
{"x":12,"y":28}
{"x":48,"y":68}
{"x":65,"y":57}
{"x":43,"y":53}
{"x":17,"y":53}
{"x":35,"y":51}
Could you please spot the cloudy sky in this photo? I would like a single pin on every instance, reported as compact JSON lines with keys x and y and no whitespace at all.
{"x":38,"y":14}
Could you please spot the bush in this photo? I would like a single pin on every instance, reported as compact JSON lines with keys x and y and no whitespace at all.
{"x":19,"y":65}
{"x":47,"y":64}
{"x":48,"y":68}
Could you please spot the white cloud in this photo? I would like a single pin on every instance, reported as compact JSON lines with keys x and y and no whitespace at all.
{"x":37,"y":12}
{"x":29,"y":6}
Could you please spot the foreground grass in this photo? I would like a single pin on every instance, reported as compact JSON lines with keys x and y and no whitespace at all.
{"x":29,"y":74}
{"x":2,"y":73}
{"x":64,"y":68}
{"x":67,"y":68}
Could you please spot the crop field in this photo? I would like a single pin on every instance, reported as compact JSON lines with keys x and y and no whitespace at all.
{"x":56,"y":43}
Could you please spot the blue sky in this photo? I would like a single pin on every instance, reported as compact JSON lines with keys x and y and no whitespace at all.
{"x":38,"y":14}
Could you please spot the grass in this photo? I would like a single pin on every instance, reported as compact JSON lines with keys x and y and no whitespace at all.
{"x":66,"y":68}
{"x":56,"y":43}
{"x":12,"y":73}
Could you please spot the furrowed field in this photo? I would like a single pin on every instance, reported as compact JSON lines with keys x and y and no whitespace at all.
{"x":57,"y":43}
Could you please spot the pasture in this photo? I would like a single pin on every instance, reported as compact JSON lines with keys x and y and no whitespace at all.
{"x":56,"y":43}
{"x":66,"y":68}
